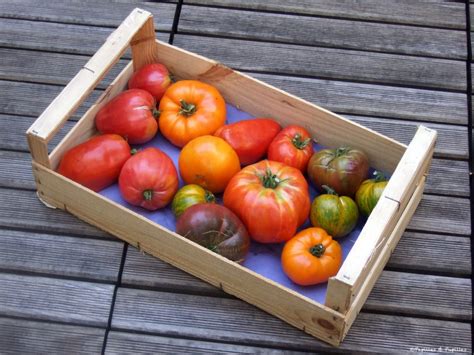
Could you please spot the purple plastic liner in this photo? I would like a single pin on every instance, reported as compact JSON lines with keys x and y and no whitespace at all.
{"x":262,"y":258}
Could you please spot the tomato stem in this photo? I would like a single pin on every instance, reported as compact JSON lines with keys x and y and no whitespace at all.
{"x":133,"y":151}
{"x":341,"y":151}
{"x":209,"y":197}
{"x":329,"y":190}
{"x":155,"y":112}
{"x":148,"y":195}
{"x":299,"y":143}
{"x":379,"y":176}
{"x":270,"y":180}
{"x":317,"y":250}
{"x":187,"y":109}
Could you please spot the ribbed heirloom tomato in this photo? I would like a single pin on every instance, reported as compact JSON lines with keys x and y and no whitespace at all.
{"x":311,"y":257}
{"x":189,"y":109}
{"x":271,"y":198}
{"x":153,"y":78}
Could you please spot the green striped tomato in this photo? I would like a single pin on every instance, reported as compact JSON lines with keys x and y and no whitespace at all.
{"x":188,"y":196}
{"x":337,"y":215}
{"x":369,"y":193}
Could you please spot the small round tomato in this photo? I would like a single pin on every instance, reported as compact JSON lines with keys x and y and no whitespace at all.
{"x":311,"y":257}
{"x":96,"y":163}
{"x":343,"y":169}
{"x":154,"y":78}
{"x":190,"y":109}
{"x":131,"y":114}
{"x":292,"y":146}
{"x":369,"y":193}
{"x":337,"y":215}
{"x":188,"y":196}
{"x":216,"y":228}
{"x":148,"y":179}
{"x":271,"y":198}
{"x":250,"y":138}
{"x":209,"y":162}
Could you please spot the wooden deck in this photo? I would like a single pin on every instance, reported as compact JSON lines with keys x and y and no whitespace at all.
{"x":66,"y":287}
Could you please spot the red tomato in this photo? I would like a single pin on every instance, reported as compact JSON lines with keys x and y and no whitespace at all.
{"x":96,"y":163}
{"x":148,"y":179}
{"x":271,"y":198}
{"x":154,"y":78}
{"x":292,"y":146}
{"x":250,"y":138}
{"x":131,"y":114}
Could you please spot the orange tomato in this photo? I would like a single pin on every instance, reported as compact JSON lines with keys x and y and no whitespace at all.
{"x":208,"y":161}
{"x":311,"y":257}
{"x":190,"y":109}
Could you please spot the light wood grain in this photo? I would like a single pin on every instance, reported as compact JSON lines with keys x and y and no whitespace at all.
{"x":29,"y":337}
{"x":43,"y":298}
{"x":325,"y":32}
{"x":437,"y":13}
{"x":329,"y":63}
{"x":61,"y":255}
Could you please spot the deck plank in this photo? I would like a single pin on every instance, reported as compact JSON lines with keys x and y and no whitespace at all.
{"x":60,"y":255}
{"x":324,"y":32}
{"x":59,"y":300}
{"x":437,"y":13}
{"x":28,"y":337}
{"x":236,"y":321}
{"x":329,"y":63}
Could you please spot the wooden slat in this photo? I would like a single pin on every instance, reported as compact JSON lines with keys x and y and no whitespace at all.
{"x":28,"y":212}
{"x":55,"y":37}
{"x":329,"y":63}
{"x":60,"y":255}
{"x":109,"y":13}
{"x":214,"y":318}
{"x":325,"y":32}
{"x":128,"y":343}
{"x":30,"y":337}
{"x":436,"y":13}
{"x":50,"y":299}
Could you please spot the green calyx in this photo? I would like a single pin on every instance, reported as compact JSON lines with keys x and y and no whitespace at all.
{"x":317,"y":250}
{"x":270,"y":180}
{"x":148,"y":195}
{"x":155,"y":112}
{"x":209,"y":197}
{"x":342,"y":151}
{"x":379,"y":176}
{"x":186,"y":108}
{"x":133,"y":151}
{"x":329,"y":190}
{"x":299,"y":143}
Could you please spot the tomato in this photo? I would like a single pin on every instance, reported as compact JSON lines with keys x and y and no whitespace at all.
{"x":189,"y":109}
{"x":96,"y":163}
{"x":216,"y":228}
{"x":250,"y":138}
{"x":311,"y":257}
{"x":337,"y":215}
{"x":292,"y":146}
{"x":369,"y":193}
{"x":271,"y":199}
{"x":188,"y":196}
{"x":154,"y":78}
{"x":343,"y":169}
{"x":209,"y":162}
{"x":131,"y":114}
{"x":148,"y":179}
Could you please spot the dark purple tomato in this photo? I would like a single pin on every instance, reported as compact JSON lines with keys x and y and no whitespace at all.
{"x":216,"y":228}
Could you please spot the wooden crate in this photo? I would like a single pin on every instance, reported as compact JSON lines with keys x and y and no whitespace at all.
{"x":346,"y":292}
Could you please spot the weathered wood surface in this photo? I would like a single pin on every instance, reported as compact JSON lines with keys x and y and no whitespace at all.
{"x":171,"y":314}
{"x":60,"y":300}
{"x":436,"y":13}
{"x":324,"y":32}
{"x":32,"y":337}
{"x":330,"y":63}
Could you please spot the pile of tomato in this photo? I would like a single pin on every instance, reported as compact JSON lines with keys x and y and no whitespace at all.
{"x":262,"y":170}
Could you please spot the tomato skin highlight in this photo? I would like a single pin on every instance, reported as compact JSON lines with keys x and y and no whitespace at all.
{"x":131,"y":115}
{"x":250,"y":138}
{"x":292,"y":146}
{"x":273,"y":213}
{"x":299,"y":260}
{"x":148,"y":179}
{"x":216,"y":228}
{"x":190,"y":195}
{"x":209,"y":162}
{"x":95,"y":163}
{"x":190,"y":109}
{"x":154,"y":78}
